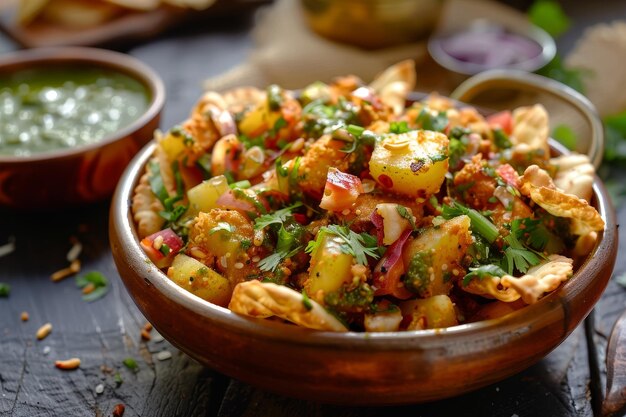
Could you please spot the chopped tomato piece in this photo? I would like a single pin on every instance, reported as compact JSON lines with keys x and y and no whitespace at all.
{"x":162,"y":246}
{"x":341,"y":190}
{"x":502,"y":120}
{"x":509,"y":175}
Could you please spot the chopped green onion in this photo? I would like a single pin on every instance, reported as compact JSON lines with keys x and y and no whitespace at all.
{"x":480,"y":224}
{"x":240,"y":184}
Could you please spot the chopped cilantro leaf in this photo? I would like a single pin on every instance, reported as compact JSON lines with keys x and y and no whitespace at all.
{"x":398,"y":127}
{"x":438,"y":157}
{"x":5,"y":289}
{"x":118,"y":379}
{"x":277,"y":217}
{"x":272,"y":262}
{"x":517,"y":256}
{"x":98,"y":280}
{"x":358,"y":245}
{"x":501,"y":139}
{"x":457,"y":147}
{"x":131,"y":364}
{"x":251,"y":142}
{"x":428,"y":121}
{"x":94,"y":277}
{"x":404,"y":212}
{"x":483,"y":271}
{"x":533,"y":232}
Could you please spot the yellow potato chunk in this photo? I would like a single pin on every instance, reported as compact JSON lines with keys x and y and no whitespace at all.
{"x":430,"y":313}
{"x":200,"y":280}
{"x":173,"y":145}
{"x":413,"y":163}
{"x":258,"y":120}
{"x":203,"y":197}
{"x":431,"y":259}
{"x":330,"y":267}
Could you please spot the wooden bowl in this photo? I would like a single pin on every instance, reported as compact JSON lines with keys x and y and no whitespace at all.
{"x":81,"y":174}
{"x":356,"y":368}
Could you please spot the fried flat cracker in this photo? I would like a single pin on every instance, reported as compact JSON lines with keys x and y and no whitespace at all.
{"x":490,"y":287}
{"x":263,"y":300}
{"x":574,"y":175}
{"x":531,"y":129}
{"x":146,"y":208}
{"x":537,"y":184}
{"x":540,"y":279}
{"x":394,"y":84}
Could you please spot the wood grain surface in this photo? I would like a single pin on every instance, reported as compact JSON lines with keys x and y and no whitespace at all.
{"x":105,"y":332}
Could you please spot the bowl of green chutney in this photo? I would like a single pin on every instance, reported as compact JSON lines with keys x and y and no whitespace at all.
{"x":71,"y":119}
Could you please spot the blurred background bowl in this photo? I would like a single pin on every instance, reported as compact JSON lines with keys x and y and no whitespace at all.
{"x":84,"y":173}
{"x":372,"y":23}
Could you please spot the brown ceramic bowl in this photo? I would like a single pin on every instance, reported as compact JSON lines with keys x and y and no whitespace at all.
{"x":356,"y":368}
{"x":81,"y":174}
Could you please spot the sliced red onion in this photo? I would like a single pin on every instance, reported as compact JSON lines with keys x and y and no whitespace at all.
{"x":505,"y":197}
{"x":378,"y":221}
{"x":394,"y":252}
{"x":223,"y":121}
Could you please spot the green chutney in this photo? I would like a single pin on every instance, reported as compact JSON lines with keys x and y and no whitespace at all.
{"x":46,"y":109}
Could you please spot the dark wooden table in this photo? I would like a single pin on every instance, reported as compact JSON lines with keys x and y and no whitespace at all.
{"x":105,"y":332}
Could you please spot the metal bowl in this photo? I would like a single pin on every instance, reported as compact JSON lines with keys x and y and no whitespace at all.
{"x":546,"y":47}
{"x":356,"y":368}
{"x":81,"y":174}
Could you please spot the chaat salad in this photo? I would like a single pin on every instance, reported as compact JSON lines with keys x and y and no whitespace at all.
{"x":340,"y":207}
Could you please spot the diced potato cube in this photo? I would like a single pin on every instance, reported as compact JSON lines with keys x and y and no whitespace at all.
{"x":413,"y":163}
{"x":173,"y":145}
{"x":430,"y":313}
{"x":431,"y":258}
{"x":200,"y":280}
{"x":330,"y":267}
{"x":258,"y":120}
{"x":203,"y":196}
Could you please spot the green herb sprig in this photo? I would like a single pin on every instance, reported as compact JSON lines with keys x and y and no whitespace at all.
{"x":98,"y":280}
{"x":358,"y":245}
